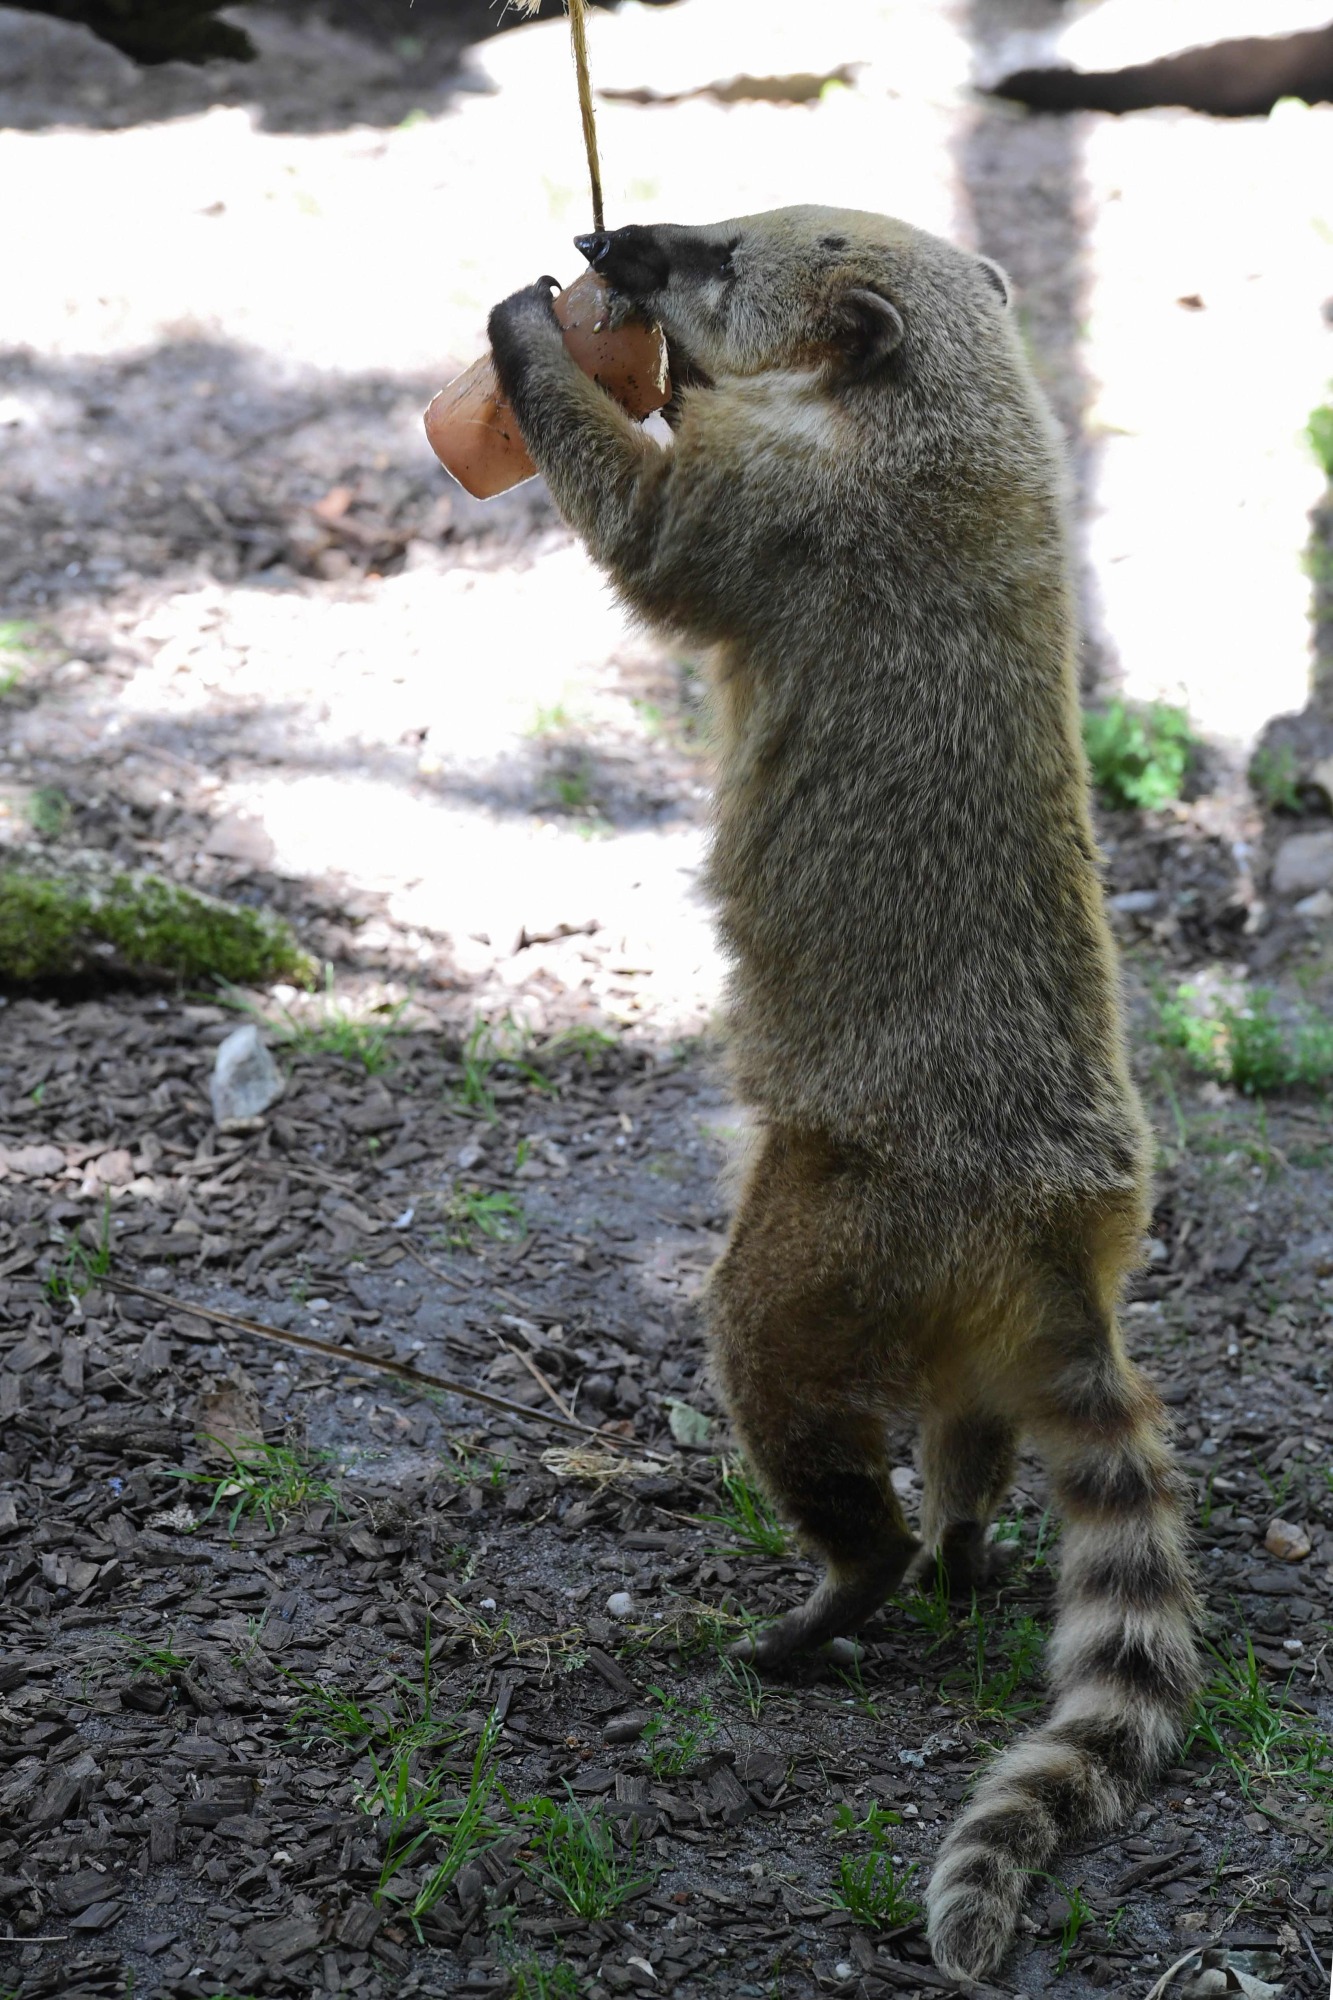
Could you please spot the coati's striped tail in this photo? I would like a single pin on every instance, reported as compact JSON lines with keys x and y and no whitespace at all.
{"x":1124,"y":1669}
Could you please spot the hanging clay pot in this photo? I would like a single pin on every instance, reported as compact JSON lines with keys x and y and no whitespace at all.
{"x":472,"y":429}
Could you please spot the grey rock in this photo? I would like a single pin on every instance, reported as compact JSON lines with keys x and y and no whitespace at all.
{"x":245,"y":1079}
{"x":626,"y":1728}
{"x":1304,"y":865}
{"x":1316,"y":907}
{"x":620,"y":1604}
{"x":1135,"y":902}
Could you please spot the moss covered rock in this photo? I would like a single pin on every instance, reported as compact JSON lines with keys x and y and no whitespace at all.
{"x":70,"y":915}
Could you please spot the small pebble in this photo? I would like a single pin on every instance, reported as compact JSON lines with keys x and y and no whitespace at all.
{"x":842,"y":1970}
{"x":1287,"y":1541}
{"x":487,"y":1604}
{"x":844,"y":1652}
{"x":1294,"y":1647}
{"x":625,"y":1729}
{"x":620,"y":1604}
{"x":245,"y":1079}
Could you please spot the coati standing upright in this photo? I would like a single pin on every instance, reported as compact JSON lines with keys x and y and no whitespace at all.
{"x":862,"y":514}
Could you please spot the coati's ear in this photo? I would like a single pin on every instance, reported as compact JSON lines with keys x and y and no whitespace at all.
{"x":870,"y":325}
{"x":996,"y":277}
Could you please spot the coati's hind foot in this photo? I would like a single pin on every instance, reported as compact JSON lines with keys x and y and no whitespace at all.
{"x":844,"y":1599}
{"x":967,"y":1560}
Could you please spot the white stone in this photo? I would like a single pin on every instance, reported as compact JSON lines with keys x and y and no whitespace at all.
{"x":1317,"y":907}
{"x":245,"y":1079}
{"x":620,"y":1605}
{"x":1287,"y":1541}
{"x":1304,"y":864}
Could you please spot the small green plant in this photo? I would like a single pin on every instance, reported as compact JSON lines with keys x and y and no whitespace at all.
{"x":460,"y":1828}
{"x":82,"y":1264}
{"x":1273,"y":778}
{"x":49,"y":811}
{"x":1241,"y":1041}
{"x":273,"y":1481}
{"x":1319,"y":432}
{"x":553,"y":721}
{"x":163,"y":1662}
{"x":853,"y":1679}
{"x":494,"y":1214}
{"x":930,"y":1604}
{"x":674,"y":1735}
{"x":573,"y":789}
{"x":423,"y":1818}
{"x":15,"y":641}
{"x":1004,"y":1665}
{"x":329,"y":1030}
{"x":573,"y":1854}
{"x":746,"y":1516}
{"x":473,"y":1468}
{"x":1138,"y":755}
{"x":872,"y":1886}
{"x":407,"y":1722}
{"x":580,"y":1039}
{"x":1078,"y":1912}
{"x":1260,"y":1733}
{"x":326,"y":1714}
{"x":749,"y":1685}
{"x":533,"y":1981}
{"x":489,"y":1048}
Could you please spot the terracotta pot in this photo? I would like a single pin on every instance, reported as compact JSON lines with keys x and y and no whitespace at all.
{"x":472,"y":429}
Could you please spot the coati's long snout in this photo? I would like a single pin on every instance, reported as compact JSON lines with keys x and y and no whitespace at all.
{"x":634,"y":260}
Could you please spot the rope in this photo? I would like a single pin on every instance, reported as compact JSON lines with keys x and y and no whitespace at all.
{"x":578,"y":35}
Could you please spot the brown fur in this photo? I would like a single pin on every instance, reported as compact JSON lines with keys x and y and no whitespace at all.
{"x":863,"y":515}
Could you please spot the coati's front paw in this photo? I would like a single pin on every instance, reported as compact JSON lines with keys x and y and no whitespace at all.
{"x":520,"y":323}
{"x":843,"y":1601}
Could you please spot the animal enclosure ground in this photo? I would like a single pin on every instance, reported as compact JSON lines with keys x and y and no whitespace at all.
{"x":226,"y":1728}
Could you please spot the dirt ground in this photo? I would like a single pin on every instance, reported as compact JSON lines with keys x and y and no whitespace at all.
{"x":254,"y":644}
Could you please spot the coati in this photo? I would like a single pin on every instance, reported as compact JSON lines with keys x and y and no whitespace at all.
{"x":862,"y":515}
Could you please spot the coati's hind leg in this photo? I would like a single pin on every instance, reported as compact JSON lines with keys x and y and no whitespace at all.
{"x":967,"y":1461}
{"x":802,"y":1368}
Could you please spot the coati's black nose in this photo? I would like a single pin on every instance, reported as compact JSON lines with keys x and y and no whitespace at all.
{"x":632,"y":260}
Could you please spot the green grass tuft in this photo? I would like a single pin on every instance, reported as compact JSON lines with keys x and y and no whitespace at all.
{"x":1319,"y":432}
{"x":15,"y":642}
{"x":746,"y":1516}
{"x":872,"y":1886}
{"x":82,"y":1265}
{"x":1261,"y":1734}
{"x":1273,"y":779}
{"x":493,"y":1213}
{"x":573,"y":1854}
{"x":1138,"y":755}
{"x":1241,"y":1041}
{"x":675,"y":1734}
{"x":495,"y":1050}
{"x":273,"y":1481}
